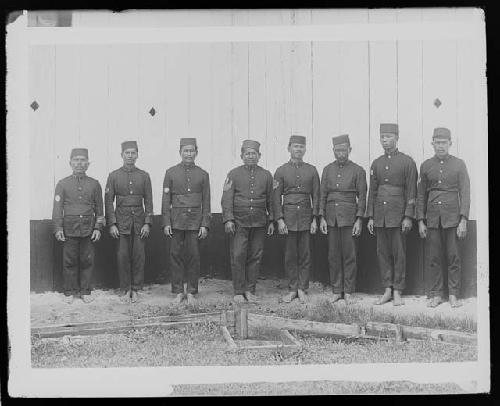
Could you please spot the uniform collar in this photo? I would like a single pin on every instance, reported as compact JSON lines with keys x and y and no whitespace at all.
{"x":187,"y":165}
{"x":79,"y":176}
{"x":446,"y":158}
{"x":126,"y":169}
{"x":339,"y":164}
{"x":250,"y":168}
{"x":396,"y":151}
{"x":296,"y":164}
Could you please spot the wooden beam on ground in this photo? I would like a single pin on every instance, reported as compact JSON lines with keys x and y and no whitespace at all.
{"x":336,"y":329}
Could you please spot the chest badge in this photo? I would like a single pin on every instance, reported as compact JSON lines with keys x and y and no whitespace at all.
{"x":276,"y":183}
{"x":57,"y":198}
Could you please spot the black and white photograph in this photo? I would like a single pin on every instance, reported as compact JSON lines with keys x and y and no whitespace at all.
{"x":247,"y":202}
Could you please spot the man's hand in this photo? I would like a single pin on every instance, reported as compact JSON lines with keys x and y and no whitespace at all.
{"x":270,"y":228}
{"x":167,"y":230}
{"x":229,"y":227}
{"x":113,"y":231}
{"x":422,"y":229}
{"x":145,"y":231}
{"x":356,"y":228}
{"x":323,"y":226}
{"x":406,"y":225}
{"x":282,"y":228}
{"x":370,"y":226}
{"x":314,"y":226}
{"x":96,"y":235}
{"x":462,"y":229}
{"x":202,"y":234}
{"x":60,"y":236}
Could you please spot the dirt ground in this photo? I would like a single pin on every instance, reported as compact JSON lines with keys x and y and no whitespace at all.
{"x":214,"y":294}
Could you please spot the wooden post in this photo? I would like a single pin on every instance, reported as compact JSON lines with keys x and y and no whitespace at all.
{"x":244,"y":324}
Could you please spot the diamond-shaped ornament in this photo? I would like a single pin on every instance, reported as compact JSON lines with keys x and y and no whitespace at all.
{"x":34,"y":105}
{"x":437,"y":103}
{"x":152,"y":111}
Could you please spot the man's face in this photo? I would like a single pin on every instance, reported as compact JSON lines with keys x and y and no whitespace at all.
{"x":79,"y":164}
{"x":250,"y":156}
{"x":341,"y":152}
{"x":130,"y":156}
{"x":388,"y":141}
{"x":188,"y":153}
{"x":297,"y":151}
{"x":441,"y":146}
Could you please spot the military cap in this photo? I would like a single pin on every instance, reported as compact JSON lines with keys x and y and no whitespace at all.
{"x":79,"y":152}
{"x":297,"y":139}
{"x":251,"y":144}
{"x":129,"y":144}
{"x":341,"y":139}
{"x":187,"y":141}
{"x":389,"y":128}
{"x":442,"y":133}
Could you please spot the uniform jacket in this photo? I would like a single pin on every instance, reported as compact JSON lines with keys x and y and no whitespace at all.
{"x":343,"y":193}
{"x":134,"y":199}
{"x":78,"y":206}
{"x":393,"y":189}
{"x":247,"y":196}
{"x":296,"y":195}
{"x":443,"y":191}
{"x":186,"y":197}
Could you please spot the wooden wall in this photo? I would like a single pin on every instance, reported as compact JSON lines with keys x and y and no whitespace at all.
{"x":97,"y":96}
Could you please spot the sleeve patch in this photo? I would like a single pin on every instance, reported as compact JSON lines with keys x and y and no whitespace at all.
{"x":276,"y":183}
{"x":166,"y":190}
{"x":106,"y":190}
{"x":411,"y":201}
{"x":371,"y":172}
{"x":227,"y":184}
{"x":57,"y":198}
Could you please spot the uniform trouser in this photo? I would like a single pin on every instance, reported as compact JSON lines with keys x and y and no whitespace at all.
{"x":391,"y":254}
{"x":437,"y":240}
{"x":246,"y":249}
{"x":185,"y":260}
{"x":342,"y":259}
{"x":131,"y":260}
{"x":78,"y":264}
{"x":298,"y":259}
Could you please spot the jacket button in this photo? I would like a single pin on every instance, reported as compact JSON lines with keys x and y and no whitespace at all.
{"x":387,"y":180}
{"x":298,"y":207}
{"x":251,"y":208}
{"x":388,"y":156}
{"x":80,"y":188}
{"x":189,"y":210}
{"x":439,"y":181}
{"x":441,"y":162}
{"x":339,"y":175}
{"x":81,"y":216}
{"x":337,"y":185}
{"x":385,"y":202}
{"x":336,"y":204}
{"x":133,"y":212}
{"x":189,"y":190}
{"x":386,"y":168}
{"x":130,"y":182}
{"x":439,"y":202}
{"x":131,"y":192}
{"x":251,"y":191}
{"x":251,"y":200}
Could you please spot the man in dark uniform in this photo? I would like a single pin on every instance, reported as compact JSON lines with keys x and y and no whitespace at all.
{"x":131,"y":221}
{"x":247,"y":212}
{"x":78,"y":220}
{"x":443,"y":202}
{"x":342,"y":206}
{"x":186,"y":218}
{"x":390,"y":209}
{"x":298,"y":183}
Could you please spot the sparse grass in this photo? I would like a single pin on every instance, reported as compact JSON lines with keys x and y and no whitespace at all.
{"x":326,"y":312}
{"x":314,"y":388}
{"x":203,"y":344}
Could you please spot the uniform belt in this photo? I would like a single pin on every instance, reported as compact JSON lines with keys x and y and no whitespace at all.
{"x":342,"y":196}
{"x":392,"y":190}
{"x":129,"y":201}
{"x":185,"y":207}
{"x":442,"y":190}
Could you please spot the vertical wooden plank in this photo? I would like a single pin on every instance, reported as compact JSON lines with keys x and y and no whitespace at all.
{"x":152,"y":134}
{"x":383,"y":82}
{"x":123,"y":74}
{"x":67,"y":106}
{"x":42,"y":127}
{"x":465,"y":138}
{"x":93,"y":108}
{"x":410,"y":91}
{"x":200,"y":107}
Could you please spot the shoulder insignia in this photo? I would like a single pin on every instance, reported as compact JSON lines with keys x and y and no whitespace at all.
{"x":227,"y":184}
{"x":166,"y":190}
{"x":107,"y":190}
{"x":57,"y":198}
{"x":275,"y":184}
